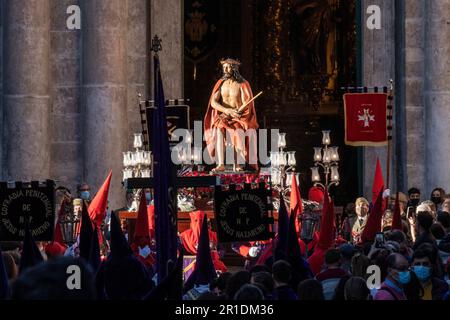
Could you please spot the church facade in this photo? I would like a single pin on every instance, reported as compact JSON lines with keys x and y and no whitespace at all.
{"x":71,"y":71}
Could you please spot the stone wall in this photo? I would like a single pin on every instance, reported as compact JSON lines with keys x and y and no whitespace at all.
{"x":138,"y":63}
{"x":26,"y":91}
{"x":414,"y":89}
{"x":378,"y":67}
{"x":426,"y":89}
{"x":437,"y":95}
{"x":66,"y":114}
{"x":105,"y":93}
{"x":2,"y":126}
{"x":167,"y":23}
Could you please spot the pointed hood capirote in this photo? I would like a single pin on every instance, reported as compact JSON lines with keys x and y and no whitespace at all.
{"x":94,"y":255}
{"x":300,"y":268}
{"x":326,"y":236}
{"x":204,"y":271}
{"x":378,"y":182}
{"x":295,"y":203}
{"x":374,"y":220}
{"x":122,"y":276}
{"x":86,"y":233}
{"x":142,"y":230}
{"x":97,"y":208}
{"x":171,"y":287}
{"x":281,"y":242}
{"x":119,"y":244}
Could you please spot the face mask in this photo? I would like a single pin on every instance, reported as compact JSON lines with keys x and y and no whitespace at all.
{"x":148,"y":196}
{"x":436,"y":200}
{"x":84,"y":195}
{"x":403,"y":277}
{"x":422,"y":272}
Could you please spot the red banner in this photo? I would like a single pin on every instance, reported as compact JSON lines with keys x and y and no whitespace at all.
{"x":365,"y":119}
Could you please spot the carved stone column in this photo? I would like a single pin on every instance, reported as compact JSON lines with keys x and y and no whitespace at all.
{"x":26,"y":89}
{"x":104,"y":93}
{"x":437,"y":95}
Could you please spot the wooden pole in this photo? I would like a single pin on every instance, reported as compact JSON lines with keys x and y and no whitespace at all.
{"x":390,"y":113}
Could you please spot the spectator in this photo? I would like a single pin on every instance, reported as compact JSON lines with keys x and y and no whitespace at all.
{"x":282,"y":274}
{"x":360,"y":263}
{"x":208,"y":295}
{"x":347,"y":252}
{"x":444,"y":249}
{"x":249,"y":292}
{"x":413,"y":290}
{"x":218,"y":285}
{"x":348,"y":221}
{"x":423,"y":226}
{"x":437,"y":196}
{"x":84,"y":192}
{"x":310,"y":289}
{"x":422,"y":265}
{"x":362,"y":210}
{"x":333,"y":273}
{"x":400,"y":237}
{"x":356,"y":289}
{"x":398,"y":276}
{"x":265,"y":282}
{"x":48,"y":281}
{"x":379,"y":257}
{"x":443,"y":217}
{"x":413,"y":197}
{"x":339,"y":291}
{"x":259,"y":268}
{"x":446,"y":204}
{"x":438,"y":231}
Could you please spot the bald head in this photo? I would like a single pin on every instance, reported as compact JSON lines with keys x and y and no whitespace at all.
{"x":397,"y":262}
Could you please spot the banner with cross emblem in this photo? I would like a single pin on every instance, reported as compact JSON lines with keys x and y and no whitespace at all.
{"x":365,"y":119}
{"x":243,"y":214}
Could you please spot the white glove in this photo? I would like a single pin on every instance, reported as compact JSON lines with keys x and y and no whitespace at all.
{"x":253,"y":252}
{"x":386,"y":193}
{"x":145,"y":251}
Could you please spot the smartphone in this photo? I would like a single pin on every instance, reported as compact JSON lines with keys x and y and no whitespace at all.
{"x":379,"y":240}
{"x":410,"y":212}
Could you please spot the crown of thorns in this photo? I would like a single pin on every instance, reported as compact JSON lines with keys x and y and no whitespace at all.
{"x":230,"y":61}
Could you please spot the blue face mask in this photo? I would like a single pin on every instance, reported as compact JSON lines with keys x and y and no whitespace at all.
{"x":148,"y":196}
{"x":84,"y":195}
{"x":422,"y":272}
{"x":404,"y":277}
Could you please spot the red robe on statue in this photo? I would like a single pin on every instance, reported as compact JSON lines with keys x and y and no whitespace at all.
{"x":247,"y":121}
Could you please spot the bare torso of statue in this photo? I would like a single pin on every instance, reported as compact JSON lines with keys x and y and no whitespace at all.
{"x":231,"y":94}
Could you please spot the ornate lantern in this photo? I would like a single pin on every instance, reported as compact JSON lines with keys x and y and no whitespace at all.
{"x":70,"y":223}
{"x":309,"y":219}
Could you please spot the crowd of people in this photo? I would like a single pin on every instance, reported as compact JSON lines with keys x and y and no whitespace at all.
{"x":403,"y":256}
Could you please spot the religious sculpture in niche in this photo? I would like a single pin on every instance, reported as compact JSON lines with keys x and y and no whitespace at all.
{"x":313,"y":40}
